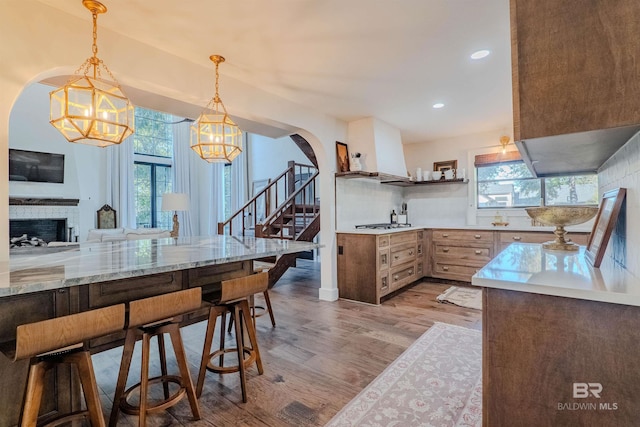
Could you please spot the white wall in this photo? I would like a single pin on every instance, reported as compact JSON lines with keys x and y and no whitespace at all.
{"x":268,"y":157}
{"x":365,"y":201}
{"x":449,"y":204}
{"x":84,"y":168}
{"x":623,"y":170}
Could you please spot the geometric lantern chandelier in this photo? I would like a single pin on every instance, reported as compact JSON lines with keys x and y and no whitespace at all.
{"x":88,"y":109}
{"x":214,"y":136}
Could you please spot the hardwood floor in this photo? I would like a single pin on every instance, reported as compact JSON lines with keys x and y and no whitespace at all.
{"x":317,"y":358}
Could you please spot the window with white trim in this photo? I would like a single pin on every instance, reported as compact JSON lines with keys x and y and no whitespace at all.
{"x":510,"y":184}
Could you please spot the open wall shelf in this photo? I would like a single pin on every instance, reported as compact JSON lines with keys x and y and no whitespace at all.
{"x":398,"y":181}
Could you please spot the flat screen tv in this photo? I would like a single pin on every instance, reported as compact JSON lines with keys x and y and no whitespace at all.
{"x":35,"y":166}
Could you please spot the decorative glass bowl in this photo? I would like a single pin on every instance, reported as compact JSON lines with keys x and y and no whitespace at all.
{"x":560,"y":217}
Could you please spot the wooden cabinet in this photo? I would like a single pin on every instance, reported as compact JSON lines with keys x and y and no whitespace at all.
{"x":458,"y":254}
{"x":371,"y":266}
{"x":575,"y":66}
{"x":21,"y":309}
{"x":505,"y":238}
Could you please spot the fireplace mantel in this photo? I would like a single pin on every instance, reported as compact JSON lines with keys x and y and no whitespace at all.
{"x":42,"y":201}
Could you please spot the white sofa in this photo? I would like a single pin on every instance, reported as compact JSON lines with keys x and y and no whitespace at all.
{"x":118,"y":234}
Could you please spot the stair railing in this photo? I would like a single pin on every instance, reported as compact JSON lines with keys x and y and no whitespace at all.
{"x":302,"y":201}
{"x":262,"y":205}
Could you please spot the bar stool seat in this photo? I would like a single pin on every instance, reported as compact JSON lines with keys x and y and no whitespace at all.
{"x":151,"y":317}
{"x":61,"y":340}
{"x":235,"y":294}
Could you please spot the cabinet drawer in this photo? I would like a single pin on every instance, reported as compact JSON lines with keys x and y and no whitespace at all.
{"x":402,"y":275}
{"x":117,"y":291}
{"x":455,"y":272}
{"x":403,"y":253}
{"x":462,"y":253}
{"x":397,"y":238}
{"x":462,"y":235}
{"x":383,"y":241}
{"x":530,"y":237}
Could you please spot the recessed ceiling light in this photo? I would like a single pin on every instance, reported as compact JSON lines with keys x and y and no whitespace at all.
{"x":438,"y":105}
{"x":480,"y":54}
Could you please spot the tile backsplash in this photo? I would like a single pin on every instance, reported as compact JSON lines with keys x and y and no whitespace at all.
{"x":623,"y":170}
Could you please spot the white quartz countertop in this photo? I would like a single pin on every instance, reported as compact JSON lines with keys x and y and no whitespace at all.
{"x":542,"y":229}
{"x":99,"y":262}
{"x":527,"y":267}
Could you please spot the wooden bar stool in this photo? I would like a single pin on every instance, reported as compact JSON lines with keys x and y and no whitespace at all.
{"x":151,"y":317}
{"x":234,"y":300}
{"x":258,"y":311}
{"x":61,"y":340}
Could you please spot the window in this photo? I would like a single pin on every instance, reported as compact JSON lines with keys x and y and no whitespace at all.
{"x":153,"y":148}
{"x":511,"y":185}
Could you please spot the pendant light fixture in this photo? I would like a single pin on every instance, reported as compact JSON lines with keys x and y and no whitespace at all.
{"x":214,"y":136}
{"x":88,"y":109}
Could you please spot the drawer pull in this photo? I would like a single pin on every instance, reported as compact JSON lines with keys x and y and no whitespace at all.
{"x":445,"y":235}
{"x":477,"y":236}
{"x":517,"y":238}
{"x":445,"y":249}
{"x":478,"y":251}
{"x":396,"y":256}
{"x":411,"y":272}
{"x":410,"y":252}
{"x":396,"y":277}
{"x":445,"y":268}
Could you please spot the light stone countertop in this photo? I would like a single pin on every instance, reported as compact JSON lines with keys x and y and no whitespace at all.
{"x":527,"y":267}
{"x":98,"y":262}
{"x":545,"y":229}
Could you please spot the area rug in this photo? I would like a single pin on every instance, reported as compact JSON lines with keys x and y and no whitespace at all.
{"x":464,"y":297}
{"x":436,"y":382}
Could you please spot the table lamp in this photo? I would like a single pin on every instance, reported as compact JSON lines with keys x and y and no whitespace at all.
{"x":175,"y":202}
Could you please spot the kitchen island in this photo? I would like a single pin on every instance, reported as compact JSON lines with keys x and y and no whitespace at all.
{"x":560,"y":340}
{"x":41,"y":284}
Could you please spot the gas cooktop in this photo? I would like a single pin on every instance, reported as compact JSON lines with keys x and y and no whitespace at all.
{"x":382,"y":226}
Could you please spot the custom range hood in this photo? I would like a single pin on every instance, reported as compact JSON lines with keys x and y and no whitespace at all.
{"x":575,"y":153}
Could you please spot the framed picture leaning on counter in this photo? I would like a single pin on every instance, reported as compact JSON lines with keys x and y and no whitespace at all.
{"x":604,"y":224}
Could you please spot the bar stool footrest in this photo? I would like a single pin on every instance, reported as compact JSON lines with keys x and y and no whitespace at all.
{"x":248,"y":361}
{"x":130,"y":409}
{"x":75,"y":416}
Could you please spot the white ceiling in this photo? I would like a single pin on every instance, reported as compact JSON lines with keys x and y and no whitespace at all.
{"x":347,"y":58}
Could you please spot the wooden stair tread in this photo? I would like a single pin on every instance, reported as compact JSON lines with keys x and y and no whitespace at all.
{"x":260,"y":266}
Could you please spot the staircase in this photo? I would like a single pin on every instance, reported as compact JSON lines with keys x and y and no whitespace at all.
{"x":287,"y":208}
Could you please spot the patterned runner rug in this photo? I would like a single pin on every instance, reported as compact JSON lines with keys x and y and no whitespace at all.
{"x":436,"y":382}
{"x":464,"y":297}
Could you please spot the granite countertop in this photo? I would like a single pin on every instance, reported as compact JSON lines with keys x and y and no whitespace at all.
{"x":98,"y":262}
{"x":527,"y":267}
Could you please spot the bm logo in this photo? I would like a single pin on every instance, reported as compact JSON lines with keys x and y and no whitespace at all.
{"x":584,"y":390}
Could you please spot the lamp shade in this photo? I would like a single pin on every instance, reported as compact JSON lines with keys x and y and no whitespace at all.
{"x":175,"y":202}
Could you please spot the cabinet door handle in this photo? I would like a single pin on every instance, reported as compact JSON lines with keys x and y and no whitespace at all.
{"x":477,"y":236}
{"x":445,"y":249}
{"x":445,"y":268}
{"x":478,"y":251}
{"x":517,"y":238}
